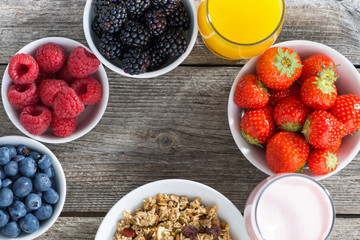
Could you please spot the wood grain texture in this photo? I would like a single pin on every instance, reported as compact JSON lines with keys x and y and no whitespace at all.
{"x":174,"y":126}
{"x":86,"y":228}
{"x":334,"y":23}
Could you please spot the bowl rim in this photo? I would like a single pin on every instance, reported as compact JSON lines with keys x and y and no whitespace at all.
{"x":75,"y":135}
{"x":39,"y":147}
{"x":249,"y":65}
{"x":152,"y":74}
{"x":117,"y":208}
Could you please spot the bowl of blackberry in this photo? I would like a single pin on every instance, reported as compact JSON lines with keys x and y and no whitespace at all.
{"x":32,"y":188}
{"x":140,"y":38}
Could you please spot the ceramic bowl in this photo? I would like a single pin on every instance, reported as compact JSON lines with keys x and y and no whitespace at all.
{"x":348,"y":83}
{"x":227,"y":211}
{"x":93,"y":41}
{"x":59,"y":179}
{"x":87,"y":119}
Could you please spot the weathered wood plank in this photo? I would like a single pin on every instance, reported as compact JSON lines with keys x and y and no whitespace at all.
{"x":174,"y":126}
{"x":334,"y":23}
{"x":86,"y":228}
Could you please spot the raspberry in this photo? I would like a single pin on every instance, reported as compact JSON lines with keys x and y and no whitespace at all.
{"x":63,"y":127}
{"x":49,"y":89}
{"x":67,"y":104}
{"x":65,"y":75}
{"x":43,"y":76}
{"x":20,"y":96}
{"x":82,"y":63}
{"x":88,"y":89}
{"x":23,"y":69}
{"x":35,"y":119}
{"x":50,"y":57}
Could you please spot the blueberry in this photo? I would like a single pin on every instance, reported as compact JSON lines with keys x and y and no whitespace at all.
{"x":4,"y":218}
{"x":2,"y":173}
{"x":45,"y":162}
{"x":33,"y":201}
{"x":18,"y":158}
{"x":22,"y":187}
{"x":11,"y":229}
{"x":42,"y":182}
{"x":51,"y":196}
{"x":44,"y":212}
{"x":11,"y":169}
{"x":6,"y":183}
{"x":6,"y":197}
{"x":23,"y":150}
{"x":50,"y":172}
{"x":29,"y":223}
{"x":4,"y":155}
{"x":17,"y":209}
{"x":27,"y":167}
{"x":35,"y":155}
{"x":12,"y":150}
{"x":53,"y":183}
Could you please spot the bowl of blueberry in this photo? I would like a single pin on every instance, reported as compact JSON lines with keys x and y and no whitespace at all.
{"x":32,"y":188}
{"x":141,"y":38}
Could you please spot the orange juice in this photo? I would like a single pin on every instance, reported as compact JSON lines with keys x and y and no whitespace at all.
{"x":238,"y":29}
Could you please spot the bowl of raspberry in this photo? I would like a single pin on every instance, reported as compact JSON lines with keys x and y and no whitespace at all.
{"x":32,"y":188}
{"x":55,"y":90}
{"x":296,"y":108}
{"x":141,"y":38}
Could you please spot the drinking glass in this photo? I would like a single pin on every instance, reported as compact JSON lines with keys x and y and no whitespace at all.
{"x":240,"y":29}
{"x":289,"y":206}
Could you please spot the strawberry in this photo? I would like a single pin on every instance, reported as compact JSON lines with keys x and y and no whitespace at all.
{"x":319,"y":92}
{"x":322,"y":130}
{"x":279,"y":67}
{"x":290,"y":114}
{"x":251,"y":93}
{"x":315,"y":64}
{"x":322,"y":162}
{"x":257,"y":125}
{"x":286,"y":152}
{"x":347,"y":110}
{"x":277,"y":95}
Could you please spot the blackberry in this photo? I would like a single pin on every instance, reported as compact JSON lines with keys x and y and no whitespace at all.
{"x":112,"y":17}
{"x":110,"y":47}
{"x":168,"y":6}
{"x":180,"y":18}
{"x":134,"y":34}
{"x":99,"y":4}
{"x":135,"y":61}
{"x":156,"y":58}
{"x":136,"y":7}
{"x":95,"y":26}
{"x":156,"y":21}
{"x":172,"y":43}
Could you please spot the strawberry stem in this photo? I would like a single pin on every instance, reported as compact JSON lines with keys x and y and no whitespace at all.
{"x":286,"y":63}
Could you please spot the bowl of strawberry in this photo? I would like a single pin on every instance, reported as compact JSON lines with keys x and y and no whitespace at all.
{"x":55,"y":90}
{"x":296,"y":108}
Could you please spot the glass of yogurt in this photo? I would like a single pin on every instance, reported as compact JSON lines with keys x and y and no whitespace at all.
{"x":289,"y":206}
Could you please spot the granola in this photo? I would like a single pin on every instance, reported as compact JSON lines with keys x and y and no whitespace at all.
{"x":170,"y":217}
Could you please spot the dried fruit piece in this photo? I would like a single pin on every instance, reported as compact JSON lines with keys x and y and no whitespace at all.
{"x":129,"y":233}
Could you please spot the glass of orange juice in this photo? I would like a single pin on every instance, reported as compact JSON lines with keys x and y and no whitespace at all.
{"x":240,"y":29}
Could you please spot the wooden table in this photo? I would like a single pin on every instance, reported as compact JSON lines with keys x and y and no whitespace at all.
{"x":174,"y":126}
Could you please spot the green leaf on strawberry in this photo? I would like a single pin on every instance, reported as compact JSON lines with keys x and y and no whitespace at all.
{"x":286,"y":63}
{"x":251,"y":140}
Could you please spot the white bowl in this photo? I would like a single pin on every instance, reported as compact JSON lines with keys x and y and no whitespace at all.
{"x":87,"y":119}
{"x":92,"y":41}
{"x":59,"y":178}
{"x":349,"y":82}
{"x":227,"y":211}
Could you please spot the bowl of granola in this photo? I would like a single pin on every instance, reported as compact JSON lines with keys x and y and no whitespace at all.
{"x":173,"y":209}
